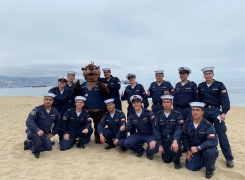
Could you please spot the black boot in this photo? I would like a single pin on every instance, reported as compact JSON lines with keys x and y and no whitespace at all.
{"x":149,"y":156}
{"x":80,"y":145}
{"x":26,"y":145}
{"x":229,"y":163}
{"x":139,"y":154}
{"x":177,"y":166}
{"x":36,"y":154}
{"x":209,"y":174}
{"x":109,"y":146}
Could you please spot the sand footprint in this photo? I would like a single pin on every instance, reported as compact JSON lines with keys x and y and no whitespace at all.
{"x":231,"y":174}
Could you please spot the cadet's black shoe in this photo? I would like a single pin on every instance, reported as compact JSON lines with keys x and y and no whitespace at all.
{"x":139,"y":154}
{"x":229,"y":163}
{"x":109,"y":146}
{"x":36,"y":154}
{"x":26,"y":145}
{"x":80,"y":145}
{"x":52,"y":142}
{"x":177,"y":166}
{"x":149,"y":156}
{"x":123,"y":149}
{"x":209,"y":174}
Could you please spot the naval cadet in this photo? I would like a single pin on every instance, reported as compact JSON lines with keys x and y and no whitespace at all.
{"x":157,"y":89}
{"x":61,"y":99}
{"x":76,"y":123}
{"x":113,"y":119}
{"x":168,"y":131}
{"x":185,"y":92}
{"x":200,"y":140}
{"x":69,"y":86}
{"x":214,"y":94}
{"x":38,"y":126}
{"x":113,"y":84}
{"x":133,"y":89}
{"x":143,"y":121}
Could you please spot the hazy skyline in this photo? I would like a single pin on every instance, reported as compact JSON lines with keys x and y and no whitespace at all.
{"x":48,"y":38}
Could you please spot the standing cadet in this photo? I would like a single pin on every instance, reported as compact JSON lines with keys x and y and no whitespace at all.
{"x":200,"y":140}
{"x":133,"y":89}
{"x":76,"y":123}
{"x":168,"y":130}
{"x":214,"y":94}
{"x":185,"y":92}
{"x":38,"y":126}
{"x":143,"y":121}
{"x":113,"y":119}
{"x":69,"y":86}
{"x":157,"y":89}
{"x":113,"y":84}
{"x":61,"y":99}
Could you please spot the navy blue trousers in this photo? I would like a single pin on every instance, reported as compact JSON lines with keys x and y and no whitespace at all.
{"x":203,"y":158}
{"x":156,"y":107}
{"x":169,"y":156}
{"x":186,"y":113}
{"x":38,"y":143}
{"x":110,"y":135}
{"x":132,"y":142}
{"x":211,"y":115}
{"x":85,"y":138}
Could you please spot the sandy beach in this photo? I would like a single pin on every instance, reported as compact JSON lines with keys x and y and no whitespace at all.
{"x":94,"y":162}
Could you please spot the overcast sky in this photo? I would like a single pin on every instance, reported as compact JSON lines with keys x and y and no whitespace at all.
{"x":49,"y":37}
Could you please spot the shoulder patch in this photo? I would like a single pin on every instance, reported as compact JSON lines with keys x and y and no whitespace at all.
{"x":33,"y":112}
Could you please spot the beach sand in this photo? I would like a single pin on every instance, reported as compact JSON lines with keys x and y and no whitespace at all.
{"x":94,"y":162}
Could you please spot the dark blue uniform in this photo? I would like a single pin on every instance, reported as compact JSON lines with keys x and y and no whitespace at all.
{"x":168,"y":129}
{"x":145,"y":132}
{"x":216,"y":96}
{"x":113,"y":85}
{"x":40,"y":119}
{"x":113,"y":131}
{"x":137,"y":90}
{"x":183,"y":96}
{"x":156,"y":92}
{"x":74,"y":125}
{"x":205,"y":137}
{"x":71,"y":99}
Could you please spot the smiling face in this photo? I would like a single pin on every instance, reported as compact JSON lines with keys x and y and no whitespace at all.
{"x":91,"y":73}
{"x":183,"y":76}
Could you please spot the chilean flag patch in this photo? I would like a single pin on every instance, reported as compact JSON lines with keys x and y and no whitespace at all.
{"x":172,"y":90}
{"x":181,"y":122}
{"x":152,"y":117}
{"x":211,"y":136}
{"x":197,"y":92}
{"x":224,"y":92}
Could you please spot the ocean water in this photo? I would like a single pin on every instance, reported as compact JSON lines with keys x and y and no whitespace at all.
{"x":235,"y":88}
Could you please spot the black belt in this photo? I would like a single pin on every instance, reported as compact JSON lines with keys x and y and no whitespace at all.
{"x":211,"y":106}
{"x":157,"y":103}
{"x":185,"y":106}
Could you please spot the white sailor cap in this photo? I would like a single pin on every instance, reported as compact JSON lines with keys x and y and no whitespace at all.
{"x":109,"y":100}
{"x":80,"y":98}
{"x":207,"y":69}
{"x":197,"y":104}
{"x":49,"y":95}
{"x":184,"y":70}
{"x":62,"y":78}
{"x":106,"y":69}
{"x":136,"y":98}
{"x":159,"y":72}
{"x":130,"y":75}
{"x":71,"y":72}
{"x":167,"y":97}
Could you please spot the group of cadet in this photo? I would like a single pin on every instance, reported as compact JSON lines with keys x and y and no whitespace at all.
{"x":187,"y":118}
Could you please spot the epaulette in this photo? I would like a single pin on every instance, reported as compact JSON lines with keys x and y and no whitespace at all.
{"x":208,"y":123}
{"x":119,"y":111}
{"x":177,"y":83}
{"x":158,"y":112}
{"x":106,"y":112}
{"x":69,"y":109}
{"x":176,"y":111}
{"x":147,"y":110}
{"x":38,"y":106}
{"x":187,"y":120}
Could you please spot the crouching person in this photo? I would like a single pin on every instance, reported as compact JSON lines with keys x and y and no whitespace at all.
{"x":168,"y":131}
{"x":200,"y":140}
{"x":143,"y":121}
{"x":76,"y":123}
{"x":38,"y":125}
{"x":113,"y":119}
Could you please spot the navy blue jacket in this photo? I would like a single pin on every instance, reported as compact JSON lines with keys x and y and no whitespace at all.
{"x":204,"y":135}
{"x":71,"y":98}
{"x":69,"y":88}
{"x":94,"y":98}
{"x":215,"y":95}
{"x":185,"y":94}
{"x":158,"y":90}
{"x":137,"y":90}
{"x":113,"y":85}
{"x":60,"y":100}
{"x":168,"y":128}
{"x":72,"y":123}
{"x":39,"y":119}
{"x":144,"y":124}
{"x":113,"y":123}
